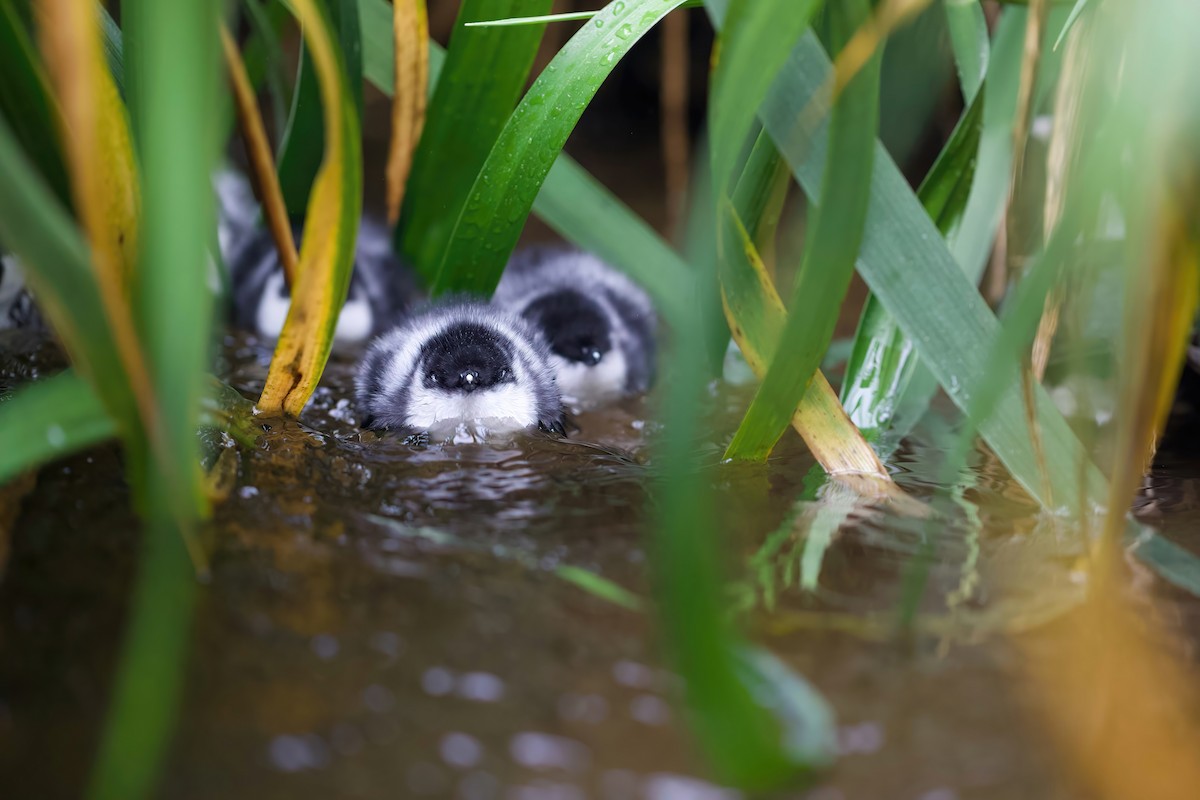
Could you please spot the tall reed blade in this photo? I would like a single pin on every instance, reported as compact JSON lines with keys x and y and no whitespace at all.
{"x":831,"y":246}
{"x":331,"y":227}
{"x":503,"y":195}
{"x":258,"y":151}
{"x":484,"y":74}
{"x":411,"y":25}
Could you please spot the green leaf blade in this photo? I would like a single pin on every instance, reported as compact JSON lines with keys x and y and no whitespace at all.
{"x":503,"y":195}
{"x":831,"y":247}
{"x":50,"y":419}
{"x":484,"y":73}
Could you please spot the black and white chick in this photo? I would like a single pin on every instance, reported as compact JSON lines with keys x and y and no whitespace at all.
{"x":381,"y":286}
{"x":17,"y":309}
{"x":460,"y":371}
{"x":599,"y":324}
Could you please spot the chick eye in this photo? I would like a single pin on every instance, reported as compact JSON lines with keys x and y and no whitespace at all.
{"x":432,"y":377}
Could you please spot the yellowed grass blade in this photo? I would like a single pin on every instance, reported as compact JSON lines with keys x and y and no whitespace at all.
{"x":331,"y":226}
{"x":410,"y":22}
{"x":820,"y":419}
{"x":262,"y":163}
{"x":104,"y":182}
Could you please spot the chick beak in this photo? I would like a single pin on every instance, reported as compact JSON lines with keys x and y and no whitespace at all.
{"x":469,"y":380}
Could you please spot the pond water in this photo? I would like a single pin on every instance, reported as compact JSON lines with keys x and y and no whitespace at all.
{"x":391,"y":621}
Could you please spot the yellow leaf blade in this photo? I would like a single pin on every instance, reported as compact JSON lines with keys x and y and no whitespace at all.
{"x":103,"y":172}
{"x":262,"y":163}
{"x":411,"y":30}
{"x":331,"y":226}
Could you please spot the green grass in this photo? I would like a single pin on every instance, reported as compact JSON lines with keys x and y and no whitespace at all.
{"x":492,"y":155}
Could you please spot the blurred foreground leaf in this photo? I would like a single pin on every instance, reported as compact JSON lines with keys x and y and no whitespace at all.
{"x":50,"y":419}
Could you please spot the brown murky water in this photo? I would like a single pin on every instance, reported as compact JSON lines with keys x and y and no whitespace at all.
{"x":391,"y":621}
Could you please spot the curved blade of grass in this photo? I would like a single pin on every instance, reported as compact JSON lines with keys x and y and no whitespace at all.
{"x":50,"y":419}
{"x":303,"y":149}
{"x":482,"y":79}
{"x":26,"y":102}
{"x":500,"y":200}
{"x":831,"y":246}
{"x":327,"y":253}
{"x":570,"y":16}
{"x":571,"y":201}
{"x":258,"y":151}
{"x":1079,"y":7}
{"x":411,"y":27}
{"x":755,"y":41}
{"x":96,"y":140}
{"x":886,"y":389}
{"x":969,"y":39}
{"x":882,"y":362}
{"x":263,"y":56}
{"x":943,"y":314}
{"x":757,"y":319}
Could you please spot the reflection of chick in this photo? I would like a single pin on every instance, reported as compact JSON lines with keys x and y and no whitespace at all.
{"x":381,"y":287}
{"x":599,"y":324}
{"x":460,"y":370}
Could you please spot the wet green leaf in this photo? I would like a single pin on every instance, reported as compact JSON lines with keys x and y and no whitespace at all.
{"x":50,"y":419}
{"x":507,"y":185}
{"x":831,"y":246}
{"x":942,"y":314}
{"x":484,"y":73}
{"x":571,"y":201}
{"x":882,"y":363}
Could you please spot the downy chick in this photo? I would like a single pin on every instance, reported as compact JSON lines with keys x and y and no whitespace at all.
{"x":461,"y":371}
{"x":599,"y":324}
{"x":381,"y":286}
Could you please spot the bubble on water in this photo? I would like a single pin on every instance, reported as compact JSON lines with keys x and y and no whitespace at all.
{"x":437,"y":681}
{"x":387,"y":643}
{"x":666,"y":786}
{"x":866,"y":737}
{"x":246,"y":492}
{"x":650,"y":709}
{"x":535,"y":750}
{"x":633,"y":674}
{"x":325,"y":646}
{"x":378,"y":698}
{"x":296,"y":753}
{"x":482,"y":687}
{"x":460,"y":750}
